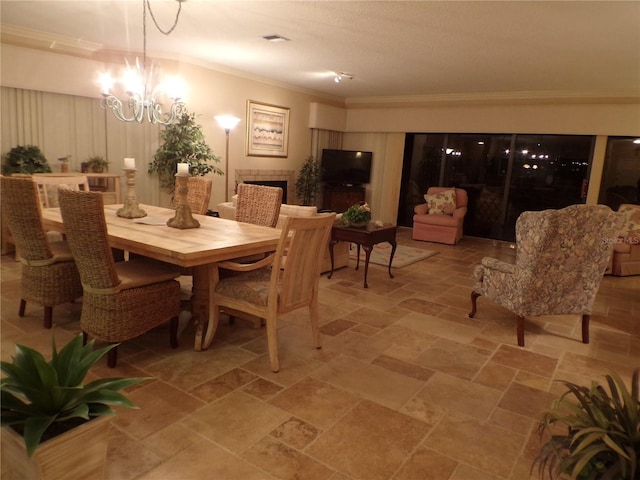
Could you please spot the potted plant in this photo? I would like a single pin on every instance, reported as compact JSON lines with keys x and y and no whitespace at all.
{"x":25,"y":159}
{"x":183,"y":141}
{"x":97,"y":164}
{"x":593,"y":433}
{"x":46,"y":409}
{"x":308,"y":181}
{"x":357,"y":215}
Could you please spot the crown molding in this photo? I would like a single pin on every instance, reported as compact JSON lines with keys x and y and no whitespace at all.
{"x":26,"y":37}
{"x":497,"y":98}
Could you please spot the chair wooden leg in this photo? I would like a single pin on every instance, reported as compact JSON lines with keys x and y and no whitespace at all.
{"x":85,"y":338}
{"x":48,"y":317}
{"x":585,"y":328}
{"x":520,"y":330}
{"x":315,"y":326}
{"x":474,"y":298}
{"x":23,"y":304}
{"x":112,"y":357}
{"x":272,"y":342}
{"x":173,"y":332}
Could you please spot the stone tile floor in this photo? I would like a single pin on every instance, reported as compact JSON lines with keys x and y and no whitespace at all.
{"x":406,"y":387}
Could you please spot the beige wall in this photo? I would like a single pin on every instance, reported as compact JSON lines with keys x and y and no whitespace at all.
{"x":378,"y":128}
{"x":210,"y":93}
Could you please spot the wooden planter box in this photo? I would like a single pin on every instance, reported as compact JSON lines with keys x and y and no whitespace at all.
{"x":78,"y":453}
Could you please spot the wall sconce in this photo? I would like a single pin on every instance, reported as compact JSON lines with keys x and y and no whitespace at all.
{"x":228,"y":123}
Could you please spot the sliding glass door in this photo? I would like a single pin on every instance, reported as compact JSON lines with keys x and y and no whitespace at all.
{"x":503,"y":175}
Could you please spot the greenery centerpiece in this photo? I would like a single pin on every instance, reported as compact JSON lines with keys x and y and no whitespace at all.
{"x":25,"y":159}
{"x":183,"y":142}
{"x":41,"y":399}
{"x":308,"y":181}
{"x":356,"y":215}
{"x":593,"y":433}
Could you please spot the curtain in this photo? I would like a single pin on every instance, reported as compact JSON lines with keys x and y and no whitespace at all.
{"x":77,"y":127}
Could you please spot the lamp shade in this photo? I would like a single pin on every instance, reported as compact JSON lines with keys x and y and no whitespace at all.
{"x":228,"y":122}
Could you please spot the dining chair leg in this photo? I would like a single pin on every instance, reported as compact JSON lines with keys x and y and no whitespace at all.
{"x":48,"y":317}
{"x":23,"y":305}
{"x":173,"y":326}
{"x":112,"y":357}
{"x":272,"y":342}
{"x":85,"y":337}
{"x":315,"y":327}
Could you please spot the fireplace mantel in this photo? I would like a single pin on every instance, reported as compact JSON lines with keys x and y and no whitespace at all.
{"x":256,"y":175}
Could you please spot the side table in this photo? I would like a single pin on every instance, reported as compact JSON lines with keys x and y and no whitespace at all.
{"x":366,"y":237}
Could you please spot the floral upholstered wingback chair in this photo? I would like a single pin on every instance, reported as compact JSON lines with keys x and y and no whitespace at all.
{"x":561,"y":258}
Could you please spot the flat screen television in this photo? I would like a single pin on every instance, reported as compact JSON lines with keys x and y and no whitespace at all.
{"x":346,"y":167}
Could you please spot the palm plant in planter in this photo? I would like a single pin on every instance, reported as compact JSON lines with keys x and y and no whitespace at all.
{"x":43,"y":401}
{"x":183,"y":142}
{"x":602,"y":436}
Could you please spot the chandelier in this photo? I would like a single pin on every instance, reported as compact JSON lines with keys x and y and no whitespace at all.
{"x":143,"y":87}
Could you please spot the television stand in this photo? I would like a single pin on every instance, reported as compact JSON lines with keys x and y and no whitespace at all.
{"x":340,"y":198}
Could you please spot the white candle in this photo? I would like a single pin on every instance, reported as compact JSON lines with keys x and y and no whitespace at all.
{"x":129,"y":163}
{"x":183,"y":169}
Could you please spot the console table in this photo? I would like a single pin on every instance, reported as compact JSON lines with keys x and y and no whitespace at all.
{"x":366,"y":237}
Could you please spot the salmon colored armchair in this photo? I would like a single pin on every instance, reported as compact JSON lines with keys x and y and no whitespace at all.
{"x":435,"y":221}
{"x":626,"y":250}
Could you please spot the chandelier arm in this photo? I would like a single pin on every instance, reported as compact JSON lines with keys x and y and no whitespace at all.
{"x":175,"y":23}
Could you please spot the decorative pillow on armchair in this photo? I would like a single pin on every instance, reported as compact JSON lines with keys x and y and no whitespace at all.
{"x":442,"y":203}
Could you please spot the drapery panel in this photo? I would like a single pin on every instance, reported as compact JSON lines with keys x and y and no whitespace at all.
{"x":77,"y":127}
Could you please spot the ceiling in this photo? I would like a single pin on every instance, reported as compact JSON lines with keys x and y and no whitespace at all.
{"x":393,"y":48}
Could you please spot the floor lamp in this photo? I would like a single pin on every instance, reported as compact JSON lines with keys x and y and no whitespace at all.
{"x":228,"y":122}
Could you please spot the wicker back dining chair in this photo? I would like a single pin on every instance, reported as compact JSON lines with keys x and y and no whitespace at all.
{"x":122,"y":300}
{"x":258,"y":204}
{"x":272,"y":286}
{"x":49,"y":275}
{"x":198,"y":196}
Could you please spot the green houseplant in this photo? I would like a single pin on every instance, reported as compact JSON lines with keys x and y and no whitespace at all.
{"x":593,"y":433}
{"x":308,"y":181}
{"x":183,"y":141}
{"x":41,"y":399}
{"x":97,"y":164}
{"x":25,"y":159}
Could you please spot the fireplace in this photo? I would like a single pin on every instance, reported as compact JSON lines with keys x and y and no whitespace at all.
{"x":272,"y":183}
{"x":284,"y":179}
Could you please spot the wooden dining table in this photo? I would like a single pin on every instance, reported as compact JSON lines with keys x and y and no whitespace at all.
{"x":216,"y":240}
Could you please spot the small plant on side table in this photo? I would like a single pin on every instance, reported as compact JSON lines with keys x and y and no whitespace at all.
{"x":25,"y":159}
{"x":97,"y":164}
{"x":356,"y":215}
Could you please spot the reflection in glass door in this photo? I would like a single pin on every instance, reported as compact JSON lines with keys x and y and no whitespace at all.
{"x":621,"y":175}
{"x":504,"y":175}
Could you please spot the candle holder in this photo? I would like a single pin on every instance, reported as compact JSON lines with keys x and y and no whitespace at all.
{"x":131,"y":209}
{"x":183,"y":217}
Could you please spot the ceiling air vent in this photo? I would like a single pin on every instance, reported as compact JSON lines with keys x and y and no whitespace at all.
{"x":276,"y":38}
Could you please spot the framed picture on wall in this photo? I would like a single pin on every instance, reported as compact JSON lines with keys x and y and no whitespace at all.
{"x":267,"y":130}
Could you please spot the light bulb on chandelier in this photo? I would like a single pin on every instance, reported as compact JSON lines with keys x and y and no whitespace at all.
{"x":143,"y":86}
